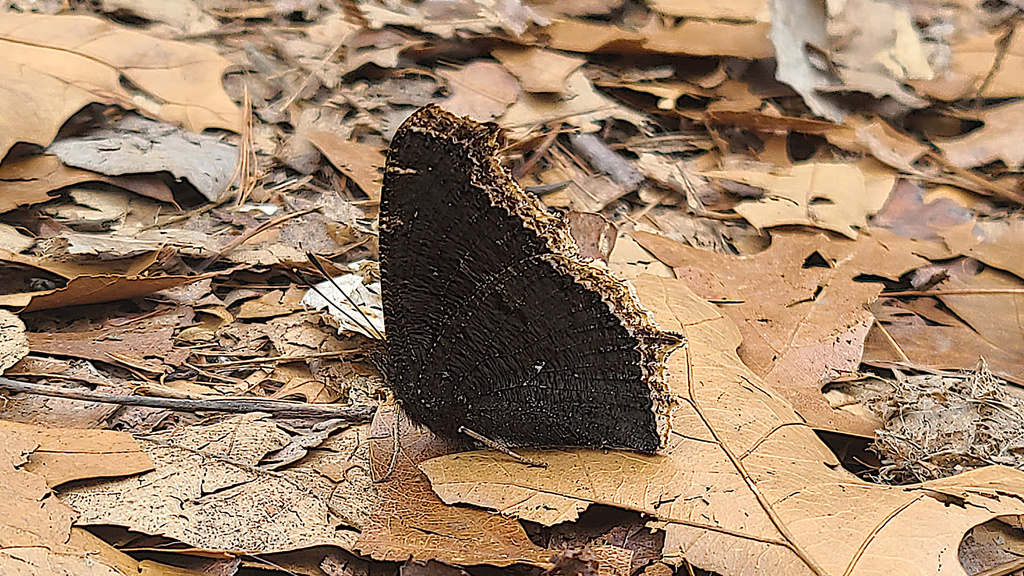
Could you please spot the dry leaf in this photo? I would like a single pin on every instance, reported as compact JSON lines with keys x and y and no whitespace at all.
{"x":354,"y":305}
{"x":928,"y":345}
{"x":581,"y":105}
{"x":629,"y":260}
{"x":737,"y":11}
{"x":810,"y":326}
{"x":29,"y":516}
{"x":996,"y":242}
{"x":412,"y":523}
{"x":133,"y":145}
{"x":221,"y":500}
{"x":183,"y":15}
{"x":36,"y":537}
{"x":267,"y":306}
{"x":861,"y":45}
{"x":14,"y":240}
{"x":481,"y":90}
{"x":538,"y":70}
{"x":880,"y":139}
{"x":380,"y":47}
{"x":128,"y":242}
{"x":13,"y":342}
{"x":446,"y":20}
{"x":993,"y":316}
{"x":147,"y":346}
{"x":361,"y":162}
{"x":69,"y":270}
{"x":54,"y":65}
{"x":744,"y":488}
{"x":978,"y":63}
{"x":60,"y":412}
{"x":912,"y":214}
{"x":1001,"y":138}
{"x":91,"y":290}
{"x":62,"y":455}
{"x":691,"y":37}
{"x":837,"y":197}
{"x":32,"y":179}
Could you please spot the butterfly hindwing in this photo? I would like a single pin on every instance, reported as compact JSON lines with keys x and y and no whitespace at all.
{"x":494,"y":322}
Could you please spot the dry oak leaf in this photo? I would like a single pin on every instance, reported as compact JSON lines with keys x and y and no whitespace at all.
{"x":580,"y":105}
{"x":72,"y":269}
{"x":93,"y":289}
{"x":996,"y":317}
{"x":144,"y":346}
{"x":953,"y":346}
{"x":735,"y":11}
{"x":412,"y":523}
{"x":481,"y":90}
{"x":1001,"y":138}
{"x":744,"y":486}
{"x":207,"y":492}
{"x":998,"y":242}
{"x":363,"y":163}
{"x":691,"y":37}
{"x":980,"y":66}
{"x":539,"y":70}
{"x":53,"y":66}
{"x":36,"y":536}
{"x":837,"y":197}
{"x":879,"y":139}
{"x":802,"y":316}
{"x":32,"y":179}
{"x":61,"y":455}
{"x":13,"y":342}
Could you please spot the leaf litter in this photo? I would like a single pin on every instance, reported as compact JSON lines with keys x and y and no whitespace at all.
{"x":827,"y":195}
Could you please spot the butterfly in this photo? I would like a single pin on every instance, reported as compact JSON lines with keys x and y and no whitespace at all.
{"x":495,"y":323}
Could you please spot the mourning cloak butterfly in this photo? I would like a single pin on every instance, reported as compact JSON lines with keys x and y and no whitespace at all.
{"x":494,"y":321}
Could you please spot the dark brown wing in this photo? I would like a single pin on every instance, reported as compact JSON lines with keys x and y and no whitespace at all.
{"x":494,"y":322}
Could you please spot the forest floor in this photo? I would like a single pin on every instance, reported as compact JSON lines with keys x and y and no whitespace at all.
{"x":824,"y":199}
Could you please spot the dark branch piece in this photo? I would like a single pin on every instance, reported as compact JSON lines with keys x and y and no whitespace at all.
{"x":361,"y":413}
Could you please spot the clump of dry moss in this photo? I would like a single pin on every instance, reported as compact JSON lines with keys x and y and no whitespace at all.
{"x":937,"y":426}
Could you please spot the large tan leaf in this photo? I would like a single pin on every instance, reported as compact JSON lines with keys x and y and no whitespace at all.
{"x":980,"y":65}
{"x":810,"y":325}
{"x":744,"y":486}
{"x":832,"y":196}
{"x":52,"y":66}
{"x":92,"y":289}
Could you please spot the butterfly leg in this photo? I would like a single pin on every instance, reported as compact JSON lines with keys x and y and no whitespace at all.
{"x":496,"y":446}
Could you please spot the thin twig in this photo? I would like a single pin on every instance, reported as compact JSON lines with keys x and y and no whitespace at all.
{"x":359,"y":413}
{"x":248,"y":235}
{"x":955,"y":292}
{"x":273,"y":359}
{"x":539,"y":153}
{"x":309,"y":77}
{"x":894,"y":344}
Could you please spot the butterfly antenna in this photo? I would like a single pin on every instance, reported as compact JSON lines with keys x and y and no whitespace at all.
{"x":369,"y":324}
